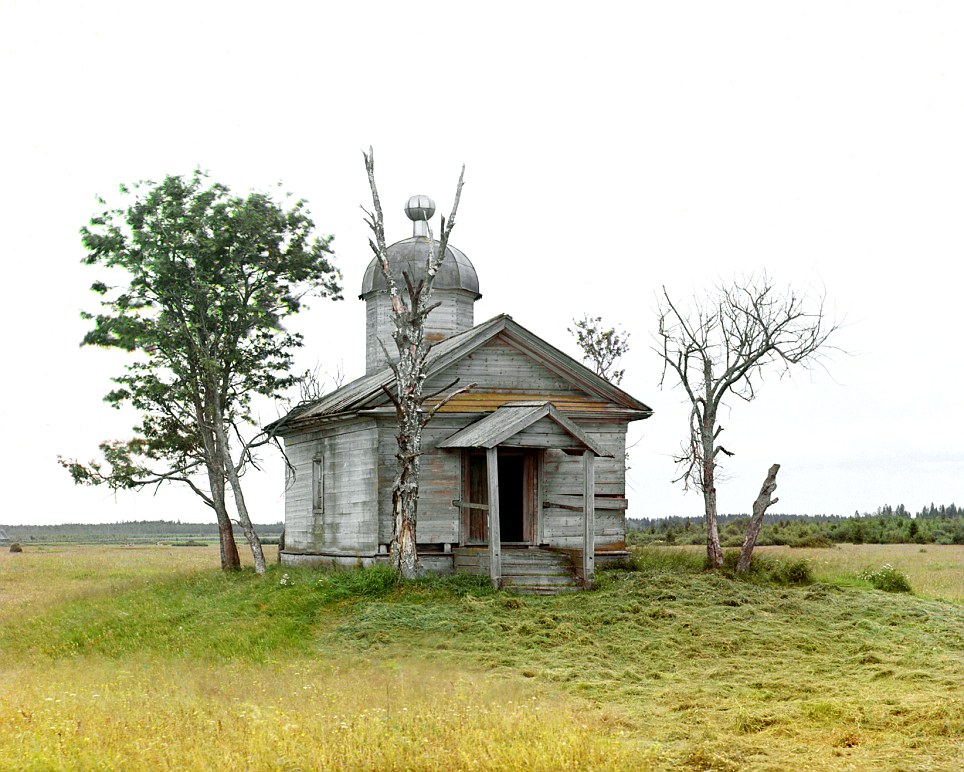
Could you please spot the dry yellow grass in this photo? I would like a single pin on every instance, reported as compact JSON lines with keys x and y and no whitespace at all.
{"x":321,"y":714}
{"x":333,"y":711}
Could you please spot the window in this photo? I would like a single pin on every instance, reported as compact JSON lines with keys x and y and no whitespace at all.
{"x":318,"y":484}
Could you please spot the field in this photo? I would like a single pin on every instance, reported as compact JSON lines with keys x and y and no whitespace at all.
{"x":149,"y":657}
{"x":935,"y":570}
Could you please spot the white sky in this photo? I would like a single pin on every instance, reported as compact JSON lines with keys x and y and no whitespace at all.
{"x":610,"y":148}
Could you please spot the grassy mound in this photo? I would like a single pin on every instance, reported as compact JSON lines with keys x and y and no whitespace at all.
{"x":665,"y":665}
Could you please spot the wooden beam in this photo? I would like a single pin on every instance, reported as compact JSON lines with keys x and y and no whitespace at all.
{"x":589,"y":515}
{"x":467,"y":505}
{"x":565,"y":501}
{"x":495,"y":538}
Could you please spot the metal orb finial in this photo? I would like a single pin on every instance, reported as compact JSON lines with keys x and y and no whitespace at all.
{"x":420,"y":210}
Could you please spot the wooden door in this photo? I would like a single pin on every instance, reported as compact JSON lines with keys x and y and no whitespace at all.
{"x":518,"y":496}
{"x":475,"y":490}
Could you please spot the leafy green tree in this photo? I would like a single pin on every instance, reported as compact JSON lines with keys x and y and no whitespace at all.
{"x":204,"y":281}
{"x":602,"y":347}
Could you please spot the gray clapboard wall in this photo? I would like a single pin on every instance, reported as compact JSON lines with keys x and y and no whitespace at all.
{"x":499,"y":365}
{"x":440,"y":480}
{"x":347,"y":523}
{"x":457,"y":313}
{"x":358,"y":457}
{"x":563,"y":476}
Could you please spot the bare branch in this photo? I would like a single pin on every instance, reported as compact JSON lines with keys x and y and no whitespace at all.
{"x":410,"y":370}
{"x":392,"y":397}
{"x":721,"y":348}
{"x":444,"y":401}
{"x":444,"y":388}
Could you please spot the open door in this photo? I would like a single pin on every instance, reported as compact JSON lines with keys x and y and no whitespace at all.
{"x":518,"y":496}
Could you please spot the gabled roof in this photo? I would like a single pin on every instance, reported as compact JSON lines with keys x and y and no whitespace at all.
{"x":514,"y":417}
{"x":368,"y":391}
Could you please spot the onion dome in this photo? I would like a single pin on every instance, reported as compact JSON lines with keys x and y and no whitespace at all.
{"x":409,"y":256}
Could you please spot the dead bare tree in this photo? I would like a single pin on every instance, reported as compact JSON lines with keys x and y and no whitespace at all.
{"x":763,"y":502}
{"x":410,"y":370}
{"x":720,"y":347}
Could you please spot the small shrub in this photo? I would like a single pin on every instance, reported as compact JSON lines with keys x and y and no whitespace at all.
{"x":15,"y":547}
{"x":886,"y":578}
{"x":792,"y":572}
{"x":771,"y":570}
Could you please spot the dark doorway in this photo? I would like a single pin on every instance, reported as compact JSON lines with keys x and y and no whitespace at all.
{"x":518,"y":496}
{"x":511,"y":497}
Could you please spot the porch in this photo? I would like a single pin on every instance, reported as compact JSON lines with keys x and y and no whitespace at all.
{"x":503,"y":497}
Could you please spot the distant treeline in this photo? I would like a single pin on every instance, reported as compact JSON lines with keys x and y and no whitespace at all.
{"x":126,"y":532}
{"x":888,"y":525}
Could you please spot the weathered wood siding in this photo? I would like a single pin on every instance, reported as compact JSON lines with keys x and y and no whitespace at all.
{"x":360,"y":465}
{"x":563,"y":474}
{"x":456,"y":314}
{"x":348,"y":523}
{"x":501,"y":366}
{"x":440,"y":481}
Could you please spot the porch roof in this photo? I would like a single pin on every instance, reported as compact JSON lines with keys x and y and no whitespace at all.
{"x":515,"y":417}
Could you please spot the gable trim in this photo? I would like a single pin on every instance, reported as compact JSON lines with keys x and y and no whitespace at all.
{"x":513,"y":418}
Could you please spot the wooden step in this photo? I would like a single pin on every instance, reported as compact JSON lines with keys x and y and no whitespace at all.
{"x":516,"y":570}
{"x":533,"y":589}
{"x":512,"y":579}
{"x":528,"y":571}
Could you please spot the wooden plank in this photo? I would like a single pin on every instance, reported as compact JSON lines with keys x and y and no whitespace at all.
{"x":589,"y":532}
{"x":466,"y":505}
{"x":561,"y":501}
{"x":540,"y":488}
{"x":495,"y":543}
{"x":477,"y":402}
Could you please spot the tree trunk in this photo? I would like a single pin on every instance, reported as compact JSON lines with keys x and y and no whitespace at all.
{"x":714,"y":553}
{"x":403,"y":554}
{"x":257,"y":551}
{"x":230,"y":560}
{"x":228,"y":465}
{"x":760,"y":506}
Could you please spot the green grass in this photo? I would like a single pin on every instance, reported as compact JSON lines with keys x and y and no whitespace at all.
{"x":665,"y":666}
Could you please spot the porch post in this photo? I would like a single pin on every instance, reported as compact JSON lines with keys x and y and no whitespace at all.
{"x":495,"y":539}
{"x":589,"y":524}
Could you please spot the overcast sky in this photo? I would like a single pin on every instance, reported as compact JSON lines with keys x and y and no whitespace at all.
{"x":610,"y":148}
